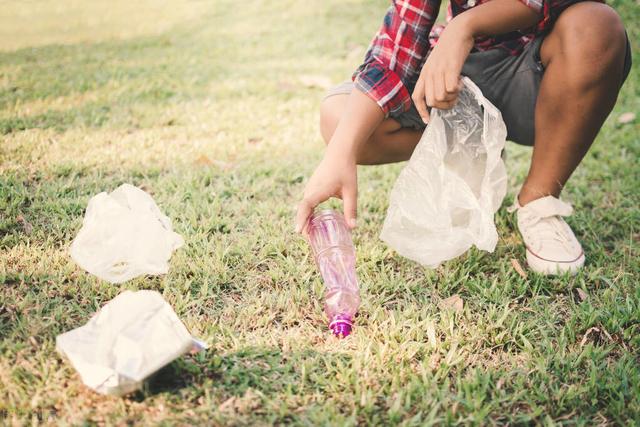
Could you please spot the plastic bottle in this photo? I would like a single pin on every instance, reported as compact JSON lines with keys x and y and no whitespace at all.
{"x":332,"y":247}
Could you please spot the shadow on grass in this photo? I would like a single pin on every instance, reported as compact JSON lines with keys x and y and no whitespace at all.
{"x":267,"y":370}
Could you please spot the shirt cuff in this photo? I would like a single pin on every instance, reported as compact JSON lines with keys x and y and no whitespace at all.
{"x":383,"y":86}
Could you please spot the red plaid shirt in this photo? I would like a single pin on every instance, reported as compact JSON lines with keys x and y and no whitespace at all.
{"x":399,"y":49}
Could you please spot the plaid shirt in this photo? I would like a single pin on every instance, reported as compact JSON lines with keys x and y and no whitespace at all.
{"x":398,"y":51}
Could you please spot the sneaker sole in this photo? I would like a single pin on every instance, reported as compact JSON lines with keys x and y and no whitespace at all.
{"x":552,"y":268}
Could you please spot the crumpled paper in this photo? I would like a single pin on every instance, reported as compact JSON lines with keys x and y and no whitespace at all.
{"x":126,"y":341}
{"x":124,"y":235}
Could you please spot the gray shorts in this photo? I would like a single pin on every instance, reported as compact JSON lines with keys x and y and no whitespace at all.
{"x":511,"y":83}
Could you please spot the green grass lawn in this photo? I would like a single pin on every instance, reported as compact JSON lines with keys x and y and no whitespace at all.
{"x":212,"y":107}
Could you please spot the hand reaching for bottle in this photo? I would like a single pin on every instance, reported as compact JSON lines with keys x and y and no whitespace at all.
{"x":335,"y":176}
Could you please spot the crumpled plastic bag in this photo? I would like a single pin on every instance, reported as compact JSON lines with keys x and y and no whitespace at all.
{"x":444,"y":200}
{"x":131,"y":337}
{"x":124,"y":235}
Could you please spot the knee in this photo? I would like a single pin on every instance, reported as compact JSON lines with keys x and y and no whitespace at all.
{"x":592,"y":36}
{"x":330,"y":111}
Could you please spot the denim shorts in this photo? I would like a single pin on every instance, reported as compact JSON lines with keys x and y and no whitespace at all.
{"x":510,"y":82}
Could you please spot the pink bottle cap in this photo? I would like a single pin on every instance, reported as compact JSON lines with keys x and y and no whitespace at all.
{"x":341,"y":325}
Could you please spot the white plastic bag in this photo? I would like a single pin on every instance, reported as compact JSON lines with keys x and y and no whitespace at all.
{"x":124,"y":235}
{"x":127,"y":340}
{"x":445,"y":198}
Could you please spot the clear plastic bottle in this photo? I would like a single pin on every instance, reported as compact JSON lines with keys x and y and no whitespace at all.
{"x":332,"y":247}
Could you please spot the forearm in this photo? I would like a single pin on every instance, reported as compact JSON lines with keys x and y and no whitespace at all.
{"x":336,"y":175}
{"x":361,"y":117}
{"x":496,"y":17}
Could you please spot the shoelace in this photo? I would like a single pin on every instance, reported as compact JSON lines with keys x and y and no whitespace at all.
{"x":546,"y":228}
{"x":545,"y":215}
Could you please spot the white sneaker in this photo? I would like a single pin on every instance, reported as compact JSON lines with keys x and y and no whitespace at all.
{"x":552,"y":248}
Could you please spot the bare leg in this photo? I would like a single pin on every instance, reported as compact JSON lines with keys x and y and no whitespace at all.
{"x":583,"y":58}
{"x":389,"y":143}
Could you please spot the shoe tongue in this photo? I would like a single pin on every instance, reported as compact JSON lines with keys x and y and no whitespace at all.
{"x":548,"y":206}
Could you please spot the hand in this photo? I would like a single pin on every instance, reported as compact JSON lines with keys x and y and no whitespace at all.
{"x":335,"y":176}
{"x":439,"y":82}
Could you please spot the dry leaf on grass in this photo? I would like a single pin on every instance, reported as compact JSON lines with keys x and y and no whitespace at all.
{"x":248,"y":402}
{"x":228,"y":405}
{"x":582,"y":294}
{"x":518,"y":268}
{"x":454,"y":407}
{"x":203,"y":160}
{"x":586,"y":336}
{"x":627,"y":117}
{"x":598,"y":333}
{"x":454,"y":303}
{"x":26,"y":225}
{"x":431,"y":334}
{"x":286,"y":85}
{"x":434,"y":361}
{"x":315,"y":81}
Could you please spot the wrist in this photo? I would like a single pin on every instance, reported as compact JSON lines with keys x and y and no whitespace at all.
{"x":464,"y":27}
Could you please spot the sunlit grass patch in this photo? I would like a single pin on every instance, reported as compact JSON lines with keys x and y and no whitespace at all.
{"x":212,"y":109}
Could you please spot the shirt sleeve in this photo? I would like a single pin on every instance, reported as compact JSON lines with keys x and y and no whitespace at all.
{"x":398,"y":50}
{"x":536,"y":5}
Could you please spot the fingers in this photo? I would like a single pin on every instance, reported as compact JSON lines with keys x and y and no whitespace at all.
{"x":444,"y":91}
{"x":452,"y":83}
{"x":440,"y":93}
{"x":350,"y":202}
{"x":447,"y":87}
{"x":445,"y":105}
{"x":430,"y":90}
{"x":306,"y":207}
{"x":419,"y":100}
{"x":437,"y":91}
{"x":302,"y":215}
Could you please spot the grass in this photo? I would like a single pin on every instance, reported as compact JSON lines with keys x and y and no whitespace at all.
{"x":203,"y":105}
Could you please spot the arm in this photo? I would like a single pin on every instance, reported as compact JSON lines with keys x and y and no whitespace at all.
{"x":392,"y":61}
{"x":336,"y":175}
{"x":438,"y":85}
{"x":499,"y":17}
